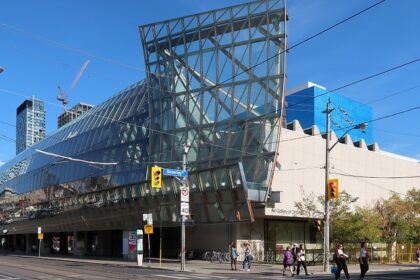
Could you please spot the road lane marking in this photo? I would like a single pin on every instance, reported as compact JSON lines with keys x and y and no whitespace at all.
{"x":171,"y":276}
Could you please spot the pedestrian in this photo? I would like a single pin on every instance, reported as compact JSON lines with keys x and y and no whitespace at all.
{"x":288,"y":261}
{"x":301,"y":261}
{"x":341,"y":259}
{"x":418,"y":255}
{"x":364,"y":260}
{"x":247,"y":258}
{"x":233,"y":255}
{"x":295,"y":249}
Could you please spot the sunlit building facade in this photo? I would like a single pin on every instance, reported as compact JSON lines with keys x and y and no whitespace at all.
{"x":73,"y":113}
{"x":215,"y":79}
{"x":30,"y":124}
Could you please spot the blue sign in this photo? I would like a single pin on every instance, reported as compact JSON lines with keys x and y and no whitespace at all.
{"x":189,"y":223}
{"x":175,"y":172}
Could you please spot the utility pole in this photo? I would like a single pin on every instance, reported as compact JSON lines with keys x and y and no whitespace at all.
{"x":186,"y":147}
{"x":326,"y":261}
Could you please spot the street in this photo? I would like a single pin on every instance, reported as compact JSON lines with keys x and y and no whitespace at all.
{"x":18,"y":268}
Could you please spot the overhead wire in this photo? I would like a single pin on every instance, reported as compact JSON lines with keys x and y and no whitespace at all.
{"x":321,"y":32}
{"x":370,"y":183}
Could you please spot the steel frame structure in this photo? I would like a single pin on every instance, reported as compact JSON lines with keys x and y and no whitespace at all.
{"x":220,"y":76}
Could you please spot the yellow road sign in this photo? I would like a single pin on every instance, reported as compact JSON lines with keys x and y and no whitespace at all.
{"x":148,"y":229}
{"x":40,"y":236}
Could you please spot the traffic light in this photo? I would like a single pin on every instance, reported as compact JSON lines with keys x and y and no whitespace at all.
{"x":317,"y":225}
{"x":156,"y":177}
{"x":333,"y":188}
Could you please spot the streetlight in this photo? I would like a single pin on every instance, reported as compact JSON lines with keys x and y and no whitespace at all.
{"x":362,"y":126}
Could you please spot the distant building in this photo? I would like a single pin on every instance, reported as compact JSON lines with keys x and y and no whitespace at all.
{"x":30,"y":124}
{"x":73,"y":113}
{"x":307,"y":102}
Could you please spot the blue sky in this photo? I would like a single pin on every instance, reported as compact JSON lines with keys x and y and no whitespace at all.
{"x":44,"y":43}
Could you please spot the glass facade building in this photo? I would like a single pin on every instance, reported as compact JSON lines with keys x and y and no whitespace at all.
{"x":30,"y":124}
{"x":215,"y":79}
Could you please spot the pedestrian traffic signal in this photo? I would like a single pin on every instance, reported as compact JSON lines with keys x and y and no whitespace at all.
{"x":333,"y":188}
{"x":317,"y":225}
{"x":156,"y":177}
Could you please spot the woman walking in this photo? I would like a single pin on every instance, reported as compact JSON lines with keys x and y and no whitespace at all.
{"x":288,"y":261}
{"x":364,"y":260}
{"x":340,"y":260}
{"x":247,"y":258}
{"x":233,"y":255}
{"x":301,"y":261}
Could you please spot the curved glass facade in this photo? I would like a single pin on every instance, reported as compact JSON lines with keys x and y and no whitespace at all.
{"x":215,"y":79}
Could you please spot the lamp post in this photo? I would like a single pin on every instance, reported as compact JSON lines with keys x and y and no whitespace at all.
{"x":362,"y":126}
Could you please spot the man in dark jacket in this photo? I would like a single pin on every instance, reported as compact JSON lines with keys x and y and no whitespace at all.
{"x":295,"y":250}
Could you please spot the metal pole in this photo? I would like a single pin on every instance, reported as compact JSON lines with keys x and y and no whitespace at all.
{"x":160,"y":239}
{"x":326,"y":260}
{"x":39,"y":249}
{"x":148,"y":247}
{"x":186,"y":147}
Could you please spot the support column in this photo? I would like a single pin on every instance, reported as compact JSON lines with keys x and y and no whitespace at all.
{"x":79,"y":243}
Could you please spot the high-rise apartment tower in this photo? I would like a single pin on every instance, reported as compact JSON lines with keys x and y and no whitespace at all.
{"x":30,"y":123}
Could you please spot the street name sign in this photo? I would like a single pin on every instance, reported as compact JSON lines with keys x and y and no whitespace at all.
{"x":175,"y":172}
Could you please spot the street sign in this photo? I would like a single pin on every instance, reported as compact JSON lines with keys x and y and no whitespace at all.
{"x":149,"y":218}
{"x":185,"y":194}
{"x":185,"y":208}
{"x":40,"y":236}
{"x":189,"y":222}
{"x":39,"y":230}
{"x":175,"y":172}
{"x":148,"y":229}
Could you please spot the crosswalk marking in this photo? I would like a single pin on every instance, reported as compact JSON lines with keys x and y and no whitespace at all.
{"x":193,"y":276}
{"x":171,"y":276}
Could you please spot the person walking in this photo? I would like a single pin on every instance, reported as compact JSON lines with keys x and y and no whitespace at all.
{"x":233,"y":255}
{"x":288,"y":261}
{"x":418,"y":255}
{"x":247,"y":258}
{"x":340,"y":260}
{"x":301,"y":261}
{"x":364,"y":260}
{"x":295,"y":250}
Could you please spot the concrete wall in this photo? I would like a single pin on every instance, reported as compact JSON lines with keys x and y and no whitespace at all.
{"x":302,"y":159}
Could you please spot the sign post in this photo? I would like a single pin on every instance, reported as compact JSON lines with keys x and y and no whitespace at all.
{"x":148,"y":229}
{"x":185,"y":198}
{"x":139,"y":247}
{"x":40,"y":237}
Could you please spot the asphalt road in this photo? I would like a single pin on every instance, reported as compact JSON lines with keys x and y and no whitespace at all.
{"x":15,"y":268}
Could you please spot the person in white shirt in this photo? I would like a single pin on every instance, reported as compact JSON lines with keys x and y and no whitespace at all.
{"x":340,"y":260}
{"x":364,"y":260}
{"x":301,"y":261}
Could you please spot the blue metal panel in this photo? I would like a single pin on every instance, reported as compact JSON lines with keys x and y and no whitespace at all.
{"x":347,"y":113}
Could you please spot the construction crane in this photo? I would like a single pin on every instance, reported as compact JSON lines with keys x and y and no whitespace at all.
{"x":64,"y":97}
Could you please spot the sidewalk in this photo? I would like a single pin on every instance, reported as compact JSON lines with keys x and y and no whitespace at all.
{"x":205,"y":267}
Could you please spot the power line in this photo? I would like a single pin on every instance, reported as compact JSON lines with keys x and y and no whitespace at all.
{"x":218,"y":84}
{"x":394,"y":94}
{"x":370,"y":183}
{"x":359,"y":81}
